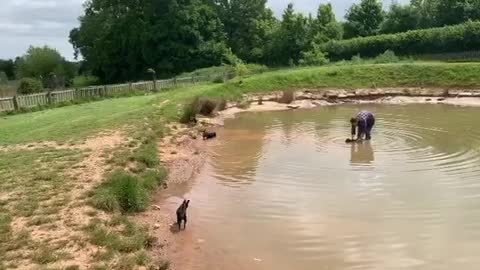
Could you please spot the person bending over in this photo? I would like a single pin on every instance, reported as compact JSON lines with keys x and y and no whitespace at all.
{"x":364,"y":122}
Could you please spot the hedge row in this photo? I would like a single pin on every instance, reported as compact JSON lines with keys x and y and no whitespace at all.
{"x":463,"y":37}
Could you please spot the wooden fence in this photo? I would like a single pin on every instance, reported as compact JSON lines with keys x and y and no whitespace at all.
{"x":105,"y":91}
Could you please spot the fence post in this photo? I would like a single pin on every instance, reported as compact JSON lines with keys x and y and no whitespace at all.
{"x":175,"y":81}
{"x":130,"y":87}
{"x":154,"y":85}
{"x":49,"y":97}
{"x":104,"y":91}
{"x":15,"y":103}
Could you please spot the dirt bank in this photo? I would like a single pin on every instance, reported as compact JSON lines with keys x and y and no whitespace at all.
{"x":184,"y":153}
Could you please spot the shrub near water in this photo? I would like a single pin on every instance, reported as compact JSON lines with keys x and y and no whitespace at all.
{"x":203,"y":106}
{"x":121,"y":191}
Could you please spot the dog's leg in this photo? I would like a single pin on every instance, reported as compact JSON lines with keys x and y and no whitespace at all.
{"x":185,"y":222}
{"x":179,"y":222}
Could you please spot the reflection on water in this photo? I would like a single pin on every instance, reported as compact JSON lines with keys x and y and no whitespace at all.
{"x":282,"y":190}
{"x":361,"y":153}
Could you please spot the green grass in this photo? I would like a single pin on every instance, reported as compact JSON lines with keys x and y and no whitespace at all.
{"x":125,"y":237}
{"x":79,"y":121}
{"x":419,"y":74}
{"x":73,"y":122}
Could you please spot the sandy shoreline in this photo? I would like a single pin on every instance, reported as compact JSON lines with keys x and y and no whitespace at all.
{"x":184,"y":154}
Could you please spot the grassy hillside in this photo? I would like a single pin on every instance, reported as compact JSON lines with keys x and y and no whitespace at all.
{"x":78,"y":121}
{"x":419,"y":74}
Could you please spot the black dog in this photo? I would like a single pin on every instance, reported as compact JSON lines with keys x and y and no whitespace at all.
{"x":182,"y":214}
{"x":209,"y":135}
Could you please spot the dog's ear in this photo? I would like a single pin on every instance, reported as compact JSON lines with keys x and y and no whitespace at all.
{"x":187,"y":203}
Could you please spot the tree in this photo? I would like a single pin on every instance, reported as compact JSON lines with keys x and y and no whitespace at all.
{"x":42,"y":63}
{"x":291,"y":38}
{"x":400,"y":18}
{"x":249,"y":26}
{"x":457,"y":11}
{"x":325,"y":14}
{"x":120,"y":39}
{"x":364,"y":19}
{"x":8,"y":67}
{"x":325,"y":27}
{"x":426,"y":13}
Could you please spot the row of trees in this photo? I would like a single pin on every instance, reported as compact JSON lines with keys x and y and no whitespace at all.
{"x":120,"y":39}
{"x":43,"y":64}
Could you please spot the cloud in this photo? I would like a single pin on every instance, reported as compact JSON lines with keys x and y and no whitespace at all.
{"x":48,"y":22}
{"x":37,"y":22}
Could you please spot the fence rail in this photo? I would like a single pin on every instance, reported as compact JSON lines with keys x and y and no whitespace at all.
{"x":105,"y":91}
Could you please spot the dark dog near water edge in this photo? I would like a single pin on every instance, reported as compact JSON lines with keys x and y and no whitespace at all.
{"x":182,"y":214}
{"x":209,"y":135}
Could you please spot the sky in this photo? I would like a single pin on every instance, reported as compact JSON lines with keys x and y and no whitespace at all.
{"x":48,"y":22}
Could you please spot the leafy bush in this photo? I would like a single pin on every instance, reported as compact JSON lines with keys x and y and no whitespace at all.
{"x":463,"y":37}
{"x":386,"y":57}
{"x":241,"y":70}
{"x":356,"y":59}
{"x":256,"y":69}
{"x":29,"y":86}
{"x":314,"y":57}
{"x":219,"y":79}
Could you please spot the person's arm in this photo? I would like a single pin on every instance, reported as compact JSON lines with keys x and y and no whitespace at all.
{"x":354,"y":131}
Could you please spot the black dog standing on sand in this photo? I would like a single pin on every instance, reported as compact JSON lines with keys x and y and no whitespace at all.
{"x":182,"y":214}
{"x":209,"y":135}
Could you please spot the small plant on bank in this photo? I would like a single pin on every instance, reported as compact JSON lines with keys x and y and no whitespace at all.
{"x":219,"y":79}
{"x":147,"y":154}
{"x":287,"y":97}
{"x":203,"y":106}
{"x":222,"y":105}
{"x":387,"y":57}
{"x":121,"y":191}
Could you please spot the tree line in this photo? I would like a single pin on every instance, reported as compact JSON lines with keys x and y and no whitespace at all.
{"x":119,"y":40}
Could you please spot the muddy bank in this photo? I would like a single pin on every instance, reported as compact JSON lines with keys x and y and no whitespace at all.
{"x":183,"y":153}
{"x":308,"y":99}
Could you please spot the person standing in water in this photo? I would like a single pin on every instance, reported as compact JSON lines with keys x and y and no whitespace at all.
{"x":364,"y":122}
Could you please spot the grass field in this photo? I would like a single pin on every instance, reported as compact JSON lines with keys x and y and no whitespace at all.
{"x":52,"y":204}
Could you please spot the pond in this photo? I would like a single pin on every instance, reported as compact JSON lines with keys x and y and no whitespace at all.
{"x":282,"y":190}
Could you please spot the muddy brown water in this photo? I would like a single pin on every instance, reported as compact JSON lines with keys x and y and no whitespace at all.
{"x":282,"y":190}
